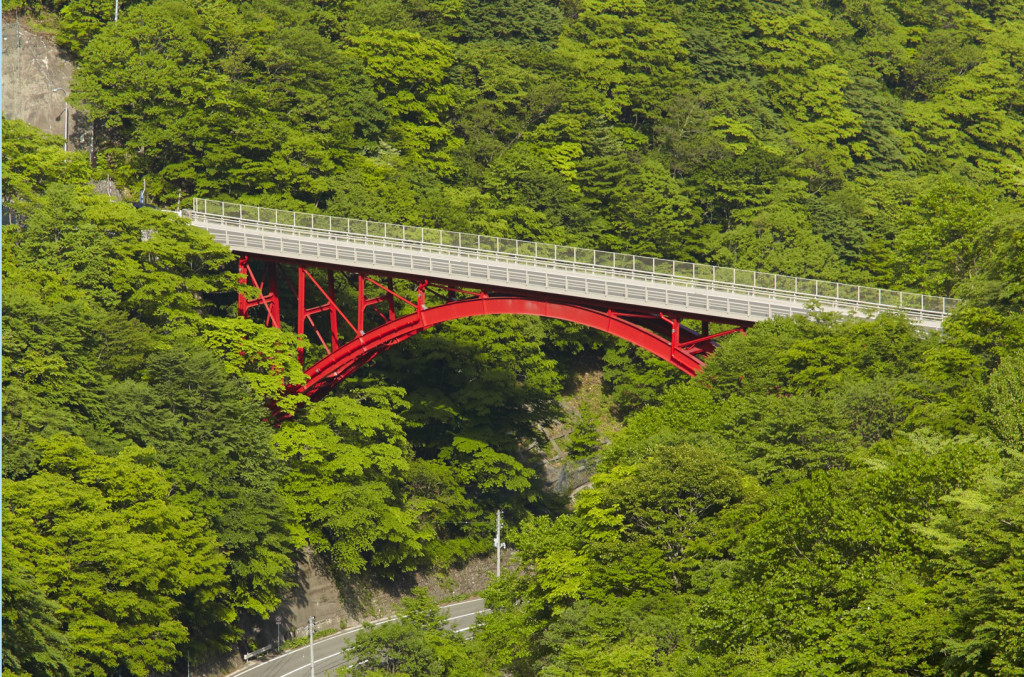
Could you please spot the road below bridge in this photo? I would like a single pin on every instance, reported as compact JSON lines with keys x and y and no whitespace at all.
{"x":329,"y":652}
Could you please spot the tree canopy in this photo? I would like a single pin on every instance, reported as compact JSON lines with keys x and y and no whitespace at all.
{"x":829,"y":496}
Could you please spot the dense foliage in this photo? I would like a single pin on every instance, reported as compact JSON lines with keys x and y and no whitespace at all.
{"x":148,"y":501}
{"x":830,"y":496}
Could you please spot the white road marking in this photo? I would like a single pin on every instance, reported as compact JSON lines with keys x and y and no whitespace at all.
{"x":314,"y":663}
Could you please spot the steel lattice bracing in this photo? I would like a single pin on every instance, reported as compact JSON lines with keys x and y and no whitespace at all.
{"x":639,"y":299}
{"x":384,"y":317}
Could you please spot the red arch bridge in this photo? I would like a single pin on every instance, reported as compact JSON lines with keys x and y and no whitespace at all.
{"x":637,"y":298}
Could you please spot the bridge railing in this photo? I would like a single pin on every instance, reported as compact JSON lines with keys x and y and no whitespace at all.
{"x":579,"y":259}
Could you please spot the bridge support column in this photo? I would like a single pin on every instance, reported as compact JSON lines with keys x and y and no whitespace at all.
{"x":301,"y":320}
{"x":673,"y":323}
{"x":334,"y":316}
{"x":329,"y":306}
{"x":361,"y":311}
{"x":268,"y":298}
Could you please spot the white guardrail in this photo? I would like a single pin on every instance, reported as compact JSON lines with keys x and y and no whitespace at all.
{"x":929,"y":310}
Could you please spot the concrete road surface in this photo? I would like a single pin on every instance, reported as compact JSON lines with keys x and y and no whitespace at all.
{"x":329,"y":652}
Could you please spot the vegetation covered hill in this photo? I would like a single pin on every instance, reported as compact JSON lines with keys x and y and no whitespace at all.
{"x":829,"y":497}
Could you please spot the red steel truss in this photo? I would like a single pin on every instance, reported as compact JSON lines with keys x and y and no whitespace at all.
{"x":395,"y":318}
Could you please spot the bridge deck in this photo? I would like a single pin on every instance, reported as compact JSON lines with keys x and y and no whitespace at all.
{"x":693,"y":289}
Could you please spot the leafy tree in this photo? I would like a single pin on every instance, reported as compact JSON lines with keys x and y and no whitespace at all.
{"x":511,"y":20}
{"x":33,"y":159}
{"x":418,"y":643}
{"x":1005,"y":402}
{"x":980,"y":540}
{"x":266,"y":358}
{"x":346,"y":459}
{"x":151,"y":265}
{"x":413,"y":95}
{"x":583,"y":440}
{"x":33,"y":643}
{"x":484,"y":471}
{"x":490,"y":379}
{"x":199,"y":64}
{"x":635,"y":377}
{"x":81,"y":20}
{"x":58,"y":349}
{"x":943,"y":234}
{"x":630,"y":636}
{"x":206,"y":430}
{"x":114,"y":558}
{"x":798,"y":355}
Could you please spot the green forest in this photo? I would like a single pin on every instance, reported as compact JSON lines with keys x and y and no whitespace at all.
{"x":829,"y":496}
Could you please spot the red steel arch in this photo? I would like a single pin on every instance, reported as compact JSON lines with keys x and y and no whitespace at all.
{"x":344,"y":358}
{"x":341,"y":363}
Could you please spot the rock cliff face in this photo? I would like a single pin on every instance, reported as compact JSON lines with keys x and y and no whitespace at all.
{"x":363,"y":598}
{"x":33,"y":66}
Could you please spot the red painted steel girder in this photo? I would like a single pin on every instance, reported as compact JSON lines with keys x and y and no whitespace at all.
{"x":343,"y":358}
{"x":341,"y":363}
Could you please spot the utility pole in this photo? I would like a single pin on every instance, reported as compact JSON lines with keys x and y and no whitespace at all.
{"x":115,"y":9}
{"x":61,"y":89}
{"x":497,"y":539}
{"x":312,"y":665}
